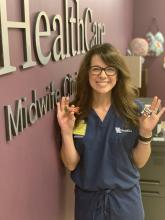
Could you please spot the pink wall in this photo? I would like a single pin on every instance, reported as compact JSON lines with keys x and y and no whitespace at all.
{"x":33,"y":182}
{"x":144,"y":12}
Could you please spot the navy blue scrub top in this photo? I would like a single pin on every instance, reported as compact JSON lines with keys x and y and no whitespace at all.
{"x":105,"y":154}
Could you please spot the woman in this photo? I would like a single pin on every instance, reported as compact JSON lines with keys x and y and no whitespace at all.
{"x":108,"y":140}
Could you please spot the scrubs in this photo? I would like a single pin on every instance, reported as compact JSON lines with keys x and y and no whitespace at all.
{"x":107,"y":182}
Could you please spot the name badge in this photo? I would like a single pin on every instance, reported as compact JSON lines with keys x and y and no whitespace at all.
{"x":80,"y":128}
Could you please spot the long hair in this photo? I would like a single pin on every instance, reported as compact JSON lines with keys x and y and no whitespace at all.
{"x":123,"y":94}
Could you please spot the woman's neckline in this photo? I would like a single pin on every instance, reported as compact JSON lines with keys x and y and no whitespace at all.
{"x":102,"y":112}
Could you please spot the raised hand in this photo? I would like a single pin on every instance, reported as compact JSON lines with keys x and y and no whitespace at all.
{"x":150,"y":116}
{"x":65,"y":115}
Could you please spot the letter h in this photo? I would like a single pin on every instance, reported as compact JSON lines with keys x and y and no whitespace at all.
{"x":4,"y":26}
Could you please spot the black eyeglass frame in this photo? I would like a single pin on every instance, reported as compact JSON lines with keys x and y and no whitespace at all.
{"x":113,"y":70}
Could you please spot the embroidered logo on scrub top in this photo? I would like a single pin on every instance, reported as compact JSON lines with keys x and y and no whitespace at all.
{"x":119,"y":130}
{"x":80,"y":130}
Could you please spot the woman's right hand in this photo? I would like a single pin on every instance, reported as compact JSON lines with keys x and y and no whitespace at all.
{"x":65,"y":117}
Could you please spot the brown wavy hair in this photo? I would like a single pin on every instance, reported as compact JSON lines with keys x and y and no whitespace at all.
{"x":123,"y":94}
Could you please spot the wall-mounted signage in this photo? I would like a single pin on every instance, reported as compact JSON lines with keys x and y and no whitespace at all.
{"x":72,"y":37}
{"x":25,"y":115}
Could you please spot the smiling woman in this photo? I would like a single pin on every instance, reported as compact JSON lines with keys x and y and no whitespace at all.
{"x":102,"y":79}
{"x":108,"y":140}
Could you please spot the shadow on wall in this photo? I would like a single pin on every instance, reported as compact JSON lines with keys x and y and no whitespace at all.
{"x":69,"y":198}
{"x":66,"y":187}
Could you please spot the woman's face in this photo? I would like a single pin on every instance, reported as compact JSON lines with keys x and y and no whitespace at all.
{"x":102,"y":78}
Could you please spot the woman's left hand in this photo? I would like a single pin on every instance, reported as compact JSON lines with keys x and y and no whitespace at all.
{"x":148,"y":121}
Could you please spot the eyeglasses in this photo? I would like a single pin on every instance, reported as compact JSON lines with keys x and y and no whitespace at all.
{"x":97,"y":70}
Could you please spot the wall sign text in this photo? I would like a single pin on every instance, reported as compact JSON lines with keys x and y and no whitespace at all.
{"x":24,"y":115}
{"x":71,"y":34}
